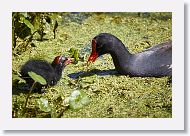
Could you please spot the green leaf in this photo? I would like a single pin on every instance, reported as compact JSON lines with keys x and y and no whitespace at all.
{"x":37,"y":78}
{"x":44,"y":105}
{"x":17,"y":78}
{"x":24,"y":14}
{"x":74,"y":53}
{"x":78,"y":99}
{"x":29,"y":25}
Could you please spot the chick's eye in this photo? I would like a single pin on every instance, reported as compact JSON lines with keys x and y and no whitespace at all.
{"x":63,"y":59}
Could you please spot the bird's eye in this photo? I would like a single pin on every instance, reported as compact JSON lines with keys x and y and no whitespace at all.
{"x":99,"y":46}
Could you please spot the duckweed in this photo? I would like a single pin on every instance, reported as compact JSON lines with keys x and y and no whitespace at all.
{"x":111,"y":95}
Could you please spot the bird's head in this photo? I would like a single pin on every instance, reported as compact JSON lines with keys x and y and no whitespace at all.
{"x":102,"y":44}
{"x":62,"y":60}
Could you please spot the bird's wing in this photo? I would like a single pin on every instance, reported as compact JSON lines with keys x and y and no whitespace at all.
{"x":162,"y":47}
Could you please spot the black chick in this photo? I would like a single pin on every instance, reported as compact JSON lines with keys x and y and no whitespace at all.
{"x":50,"y":72}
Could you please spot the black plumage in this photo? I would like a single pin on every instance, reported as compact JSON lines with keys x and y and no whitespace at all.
{"x":50,"y":72}
{"x":153,"y":62}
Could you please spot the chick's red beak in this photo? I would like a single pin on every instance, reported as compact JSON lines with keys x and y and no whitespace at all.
{"x":94,"y":54}
{"x":68,"y":61}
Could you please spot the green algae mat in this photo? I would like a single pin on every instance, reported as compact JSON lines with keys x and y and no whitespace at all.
{"x":96,"y":92}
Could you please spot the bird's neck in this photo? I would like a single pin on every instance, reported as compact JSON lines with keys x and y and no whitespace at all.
{"x":58,"y":70}
{"x":121,"y":57}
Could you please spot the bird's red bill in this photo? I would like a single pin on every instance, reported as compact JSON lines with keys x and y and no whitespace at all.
{"x":68,"y":61}
{"x":94,"y":54}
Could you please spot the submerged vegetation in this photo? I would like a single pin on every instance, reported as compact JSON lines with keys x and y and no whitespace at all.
{"x":96,"y":92}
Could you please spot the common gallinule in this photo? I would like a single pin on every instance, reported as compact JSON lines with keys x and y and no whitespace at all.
{"x":50,"y":72}
{"x":152,"y":62}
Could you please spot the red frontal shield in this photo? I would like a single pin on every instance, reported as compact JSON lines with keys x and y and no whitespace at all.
{"x":94,"y":54}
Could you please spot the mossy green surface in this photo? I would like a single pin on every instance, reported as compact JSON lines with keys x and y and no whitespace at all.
{"x":112,"y":96}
